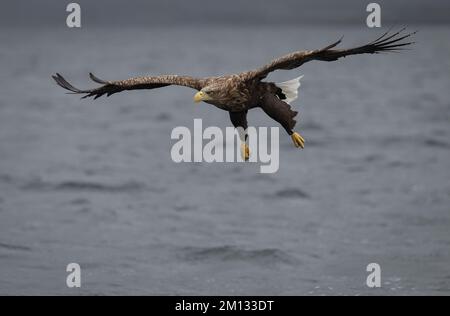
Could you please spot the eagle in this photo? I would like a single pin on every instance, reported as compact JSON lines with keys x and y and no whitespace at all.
{"x":238,"y":93}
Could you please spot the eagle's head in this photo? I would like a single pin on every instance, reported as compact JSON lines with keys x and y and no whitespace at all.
{"x":208,"y":93}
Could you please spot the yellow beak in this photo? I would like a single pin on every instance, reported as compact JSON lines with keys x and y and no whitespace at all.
{"x":201,"y":96}
{"x":198,"y":97}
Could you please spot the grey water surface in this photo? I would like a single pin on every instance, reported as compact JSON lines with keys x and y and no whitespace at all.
{"x":93,"y":182}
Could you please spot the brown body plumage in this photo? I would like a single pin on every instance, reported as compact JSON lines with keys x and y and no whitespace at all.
{"x":238,"y":93}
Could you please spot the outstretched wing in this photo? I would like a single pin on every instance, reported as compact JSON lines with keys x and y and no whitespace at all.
{"x":385,"y":43}
{"x":111,"y":87}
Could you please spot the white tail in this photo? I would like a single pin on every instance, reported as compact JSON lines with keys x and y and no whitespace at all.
{"x":290,"y":89}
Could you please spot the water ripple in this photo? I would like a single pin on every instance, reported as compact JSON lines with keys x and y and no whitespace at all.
{"x":234,"y":253}
{"x":77,"y":185}
{"x":292,"y":193}
{"x":14,"y":247}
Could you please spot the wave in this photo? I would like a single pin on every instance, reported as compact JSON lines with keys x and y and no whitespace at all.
{"x":14,"y":247}
{"x":429,"y":142}
{"x":292,"y":193}
{"x":6,"y":178}
{"x":40,"y":185}
{"x":163,"y":117}
{"x":235,"y":253}
{"x":436,"y":143}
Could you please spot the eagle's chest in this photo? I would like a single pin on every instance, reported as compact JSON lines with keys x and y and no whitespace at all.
{"x":234,"y":96}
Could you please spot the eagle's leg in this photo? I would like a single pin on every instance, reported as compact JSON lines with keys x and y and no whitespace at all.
{"x":245,"y":151}
{"x":239,"y":119}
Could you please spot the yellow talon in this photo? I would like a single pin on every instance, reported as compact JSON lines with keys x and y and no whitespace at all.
{"x":245,"y":151}
{"x":298,"y":140}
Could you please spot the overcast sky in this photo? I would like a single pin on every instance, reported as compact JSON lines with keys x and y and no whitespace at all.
{"x":230,"y":12}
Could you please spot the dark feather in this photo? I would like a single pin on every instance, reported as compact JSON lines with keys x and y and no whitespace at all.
{"x":110,"y":87}
{"x":96,"y":79}
{"x":279,"y":110}
{"x":385,"y":43}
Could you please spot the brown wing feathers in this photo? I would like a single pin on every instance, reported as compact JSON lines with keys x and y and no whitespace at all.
{"x":382,"y":44}
{"x":111,"y":87}
{"x":385,"y":43}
